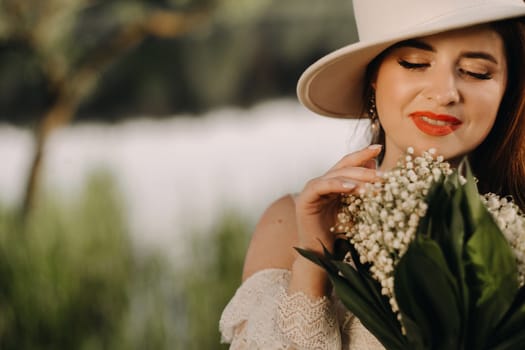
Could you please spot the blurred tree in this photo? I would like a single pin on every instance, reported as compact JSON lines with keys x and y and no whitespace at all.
{"x":57,"y":56}
{"x":246,"y":50}
{"x":71,"y":60}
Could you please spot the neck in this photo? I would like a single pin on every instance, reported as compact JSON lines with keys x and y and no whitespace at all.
{"x":390,"y":159}
{"x":387,"y":164}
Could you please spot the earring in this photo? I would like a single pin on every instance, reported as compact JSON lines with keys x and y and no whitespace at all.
{"x":375,"y":126}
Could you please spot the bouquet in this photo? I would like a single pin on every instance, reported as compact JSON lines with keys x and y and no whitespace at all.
{"x":426,"y":262}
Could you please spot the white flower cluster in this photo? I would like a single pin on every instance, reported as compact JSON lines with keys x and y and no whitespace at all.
{"x":511,"y":221}
{"x":382,"y":219}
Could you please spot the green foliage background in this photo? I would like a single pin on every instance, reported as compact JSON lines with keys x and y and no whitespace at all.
{"x":70,"y":278}
{"x":70,"y":275}
{"x":241,"y":52}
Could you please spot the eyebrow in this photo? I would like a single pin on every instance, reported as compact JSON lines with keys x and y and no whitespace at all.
{"x":421,"y":45}
{"x":482,"y":55}
{"x":416,"y":44}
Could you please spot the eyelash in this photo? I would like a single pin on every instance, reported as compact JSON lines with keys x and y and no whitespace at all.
{"x":414,"y":66}
{"x":410,"y":65}
{"x":480,"y":76}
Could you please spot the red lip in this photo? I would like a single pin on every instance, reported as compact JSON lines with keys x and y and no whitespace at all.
{"x":451,"y":123}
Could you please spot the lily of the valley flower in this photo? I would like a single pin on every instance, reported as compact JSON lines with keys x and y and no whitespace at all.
{"x":382,"y":219}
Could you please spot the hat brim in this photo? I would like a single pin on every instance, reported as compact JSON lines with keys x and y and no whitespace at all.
{"x":333,"y":86}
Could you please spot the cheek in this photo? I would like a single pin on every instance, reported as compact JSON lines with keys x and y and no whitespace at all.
{"x":393,"y":95}
{"x":485,"y":106}
{"x":394,"y":88}
{"x":486,"y":125}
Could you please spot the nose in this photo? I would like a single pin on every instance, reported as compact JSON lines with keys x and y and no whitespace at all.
{"x":442,"y":88}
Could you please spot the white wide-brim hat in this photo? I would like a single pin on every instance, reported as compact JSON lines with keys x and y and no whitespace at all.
{"x":333,"y":86}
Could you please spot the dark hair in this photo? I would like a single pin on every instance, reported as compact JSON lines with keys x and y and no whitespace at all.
{"x":499,"y":161}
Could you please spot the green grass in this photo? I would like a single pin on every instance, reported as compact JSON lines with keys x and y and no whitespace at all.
{"x":211,"y":280}
{"x":70,"y":278}
{"x":65,"y":272}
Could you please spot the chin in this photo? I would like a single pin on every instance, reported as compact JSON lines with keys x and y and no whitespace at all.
{"x":446,"y":148}
{"x":453,"y":157}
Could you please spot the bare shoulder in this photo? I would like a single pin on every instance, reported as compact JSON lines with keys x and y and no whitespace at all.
{"x":273,"y":240}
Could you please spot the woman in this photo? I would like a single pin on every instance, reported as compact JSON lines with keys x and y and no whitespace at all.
{"x":446,"y":75}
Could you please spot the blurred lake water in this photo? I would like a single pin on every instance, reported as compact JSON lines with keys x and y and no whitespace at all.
{"x":183,"y":173}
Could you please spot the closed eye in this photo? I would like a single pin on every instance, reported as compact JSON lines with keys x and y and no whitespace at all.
{"x":411,"y":65}
{"x":476,"y":75}
{"x":480,"y":76}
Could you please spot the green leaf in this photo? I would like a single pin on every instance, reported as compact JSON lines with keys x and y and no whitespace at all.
{"x":516,"y":342}
{"x":372,"y":289}
{"x":323,"y":262}
{"x":373,"y":285}
{"x":415,"y":338}
{"x":356,"y":293}
{"x":372,"y":320}
{"x":359,"y":284}
{"x":455,"y":252}
{"x":341,"y":247}
{"x":513,"y":323}
{"x":431,"y":303}
{"x":445,"y":224}
{"x":492,"y":277}
{"x":476,"y":209}
{"x":490,"y":267}
{"x":434,"y":196}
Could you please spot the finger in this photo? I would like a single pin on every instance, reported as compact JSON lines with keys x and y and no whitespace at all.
{"x":359,"y":158}
{"x":322,"y":187}
{"x":357,"y":173}
{"x":371,"y":164}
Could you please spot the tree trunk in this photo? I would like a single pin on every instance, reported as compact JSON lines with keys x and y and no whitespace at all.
{"x":59,"y":114}
{"x":73,"y":89}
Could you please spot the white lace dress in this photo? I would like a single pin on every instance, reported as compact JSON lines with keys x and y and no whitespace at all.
{"x":261,"y":315}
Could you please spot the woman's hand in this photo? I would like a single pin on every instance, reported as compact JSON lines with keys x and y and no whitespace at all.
{"x":317,"y":205}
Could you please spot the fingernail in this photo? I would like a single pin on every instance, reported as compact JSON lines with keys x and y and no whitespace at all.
{"x":349,"y":185}
{"x":379,"y":173}
{"x":375,"y":146}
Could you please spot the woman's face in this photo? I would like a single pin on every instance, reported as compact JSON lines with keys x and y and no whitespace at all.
{"x":441,"y":91}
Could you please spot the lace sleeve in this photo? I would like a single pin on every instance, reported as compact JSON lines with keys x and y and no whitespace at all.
{"x":261,"y":315}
